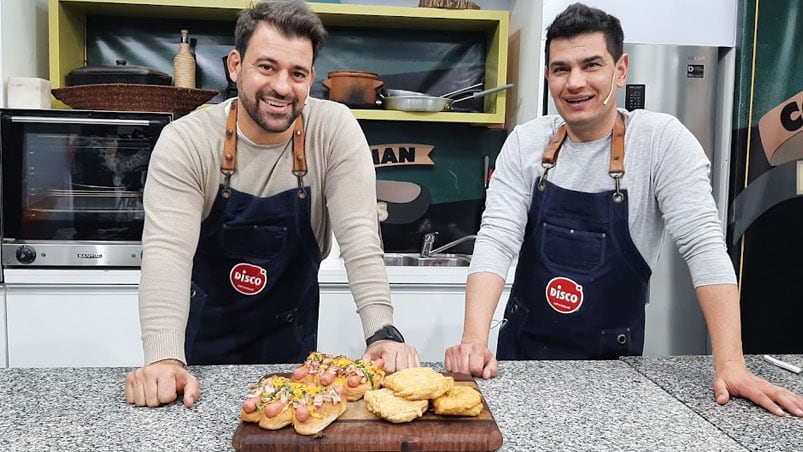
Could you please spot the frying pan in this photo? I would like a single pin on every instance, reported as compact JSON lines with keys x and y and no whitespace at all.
{"x":432,"y":103}
{"x":404,"y":92}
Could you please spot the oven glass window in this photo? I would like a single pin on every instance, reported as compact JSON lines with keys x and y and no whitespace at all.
{"x":77,"y":181}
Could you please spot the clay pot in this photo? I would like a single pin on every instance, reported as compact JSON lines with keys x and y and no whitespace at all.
{"x":353,"y":88}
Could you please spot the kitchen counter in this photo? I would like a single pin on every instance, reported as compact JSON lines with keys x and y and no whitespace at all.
{"x":683,"y":377}
{"x":660,"y":404}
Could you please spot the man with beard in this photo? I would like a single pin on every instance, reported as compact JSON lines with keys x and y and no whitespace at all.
{"x":240,"y":203}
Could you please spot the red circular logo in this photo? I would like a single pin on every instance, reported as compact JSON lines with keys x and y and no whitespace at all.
{"x":564,"y":295}
{"x":248,"y":279}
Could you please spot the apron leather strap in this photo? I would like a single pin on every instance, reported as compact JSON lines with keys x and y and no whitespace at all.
{"x":617,"y":166}
{"x":229,"y":162}
{"x":618,"y":147}
{"x":551,"y":151}
{"x":299,"y":155}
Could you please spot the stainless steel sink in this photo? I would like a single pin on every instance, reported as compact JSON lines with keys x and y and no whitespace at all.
{"x":438,"y":260}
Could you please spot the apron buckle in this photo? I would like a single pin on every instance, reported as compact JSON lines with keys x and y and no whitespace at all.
{"x":300,"y":176}
{"x":618,"y":196}
{"x":226,"y":192}
{"x":542,"y":179}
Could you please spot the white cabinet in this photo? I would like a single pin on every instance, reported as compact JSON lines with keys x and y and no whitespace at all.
{"x":3,"y":348}
{"x":72,"y":326}
{"x":430,"y":317}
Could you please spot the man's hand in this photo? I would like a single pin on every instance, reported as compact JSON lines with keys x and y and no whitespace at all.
{"x":734,"y":380}
{"x":396,"y":355}
{"x":472,"y":359}
{"x":161,"y":382}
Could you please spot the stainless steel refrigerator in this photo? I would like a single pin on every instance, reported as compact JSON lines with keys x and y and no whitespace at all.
{"x":695,"y":84}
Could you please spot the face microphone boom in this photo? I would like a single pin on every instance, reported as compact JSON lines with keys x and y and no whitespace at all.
{"x":610,"y":93}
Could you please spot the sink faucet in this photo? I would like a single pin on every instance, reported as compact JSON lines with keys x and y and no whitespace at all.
{"x":426,"y":247}
{"x":429,"y":241}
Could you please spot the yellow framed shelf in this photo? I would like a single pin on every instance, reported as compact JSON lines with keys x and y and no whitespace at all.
{"x":67,"y":38}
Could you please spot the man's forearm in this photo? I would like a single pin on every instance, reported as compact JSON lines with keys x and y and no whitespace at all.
{"x":720,"y":305}
{"x":483,"y":290}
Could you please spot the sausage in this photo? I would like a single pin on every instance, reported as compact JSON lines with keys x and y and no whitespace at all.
{"x":354,"y":380}
{"x":301,"y":372}
{"x":250,"y":405}
{"x":327,"y":378}
{"x":302,"y":413}
{"x":273,"y":409}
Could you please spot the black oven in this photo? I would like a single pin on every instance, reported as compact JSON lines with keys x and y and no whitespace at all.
{"x":72,"y":183}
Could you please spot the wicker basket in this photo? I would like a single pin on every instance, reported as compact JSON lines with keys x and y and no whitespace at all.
{"x":448,"y":4}
{"x":134,"y":97}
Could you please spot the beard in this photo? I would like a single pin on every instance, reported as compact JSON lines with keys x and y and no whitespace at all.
{"x":267,"y":121}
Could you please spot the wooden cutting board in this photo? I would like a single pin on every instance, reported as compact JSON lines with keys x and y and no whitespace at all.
{"x":360,"y":430}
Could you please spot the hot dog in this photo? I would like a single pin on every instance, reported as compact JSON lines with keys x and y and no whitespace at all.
{"x":276,"y":402}
{"x":356,"y":376}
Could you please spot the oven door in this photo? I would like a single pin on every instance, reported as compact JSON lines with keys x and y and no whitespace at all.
{"x":72,"y":186}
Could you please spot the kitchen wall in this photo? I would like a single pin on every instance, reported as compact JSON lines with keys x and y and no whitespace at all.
{"x":524,"y":69}
{"x":682,"y":22}
{"x":23,"y":41}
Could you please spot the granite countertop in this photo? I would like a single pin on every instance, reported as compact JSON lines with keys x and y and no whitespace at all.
{"x":659,"y":404}
{"x":687,"y":379}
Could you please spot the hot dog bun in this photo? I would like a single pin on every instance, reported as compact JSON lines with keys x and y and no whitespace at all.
{"x":276,"y":402}
{"x":283,"y":419}
{"x":324,"y":415}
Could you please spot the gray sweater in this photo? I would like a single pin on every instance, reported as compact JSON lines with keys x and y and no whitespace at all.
{"x":183,"y":179}
{"x":666,"y":177}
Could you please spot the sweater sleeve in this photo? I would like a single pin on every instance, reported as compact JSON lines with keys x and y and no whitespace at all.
{"x":683,"y":190}
{"x":173,"y":203}
{"x":506,"y":207}
{"x":350,"y":193}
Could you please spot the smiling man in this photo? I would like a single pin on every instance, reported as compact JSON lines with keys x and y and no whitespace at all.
{"x":240,"y":203}
{"x":587,"y":226}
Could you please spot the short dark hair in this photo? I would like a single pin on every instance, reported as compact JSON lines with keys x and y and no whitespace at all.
{"x":292,"y":18}
{"x":578,"y":19}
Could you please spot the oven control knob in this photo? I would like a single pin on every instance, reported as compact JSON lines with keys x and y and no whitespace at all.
{"x":26,"y":254}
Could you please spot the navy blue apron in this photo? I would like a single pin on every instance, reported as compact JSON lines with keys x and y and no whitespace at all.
{"x":580,"y":287}
{"x":254,"y":296}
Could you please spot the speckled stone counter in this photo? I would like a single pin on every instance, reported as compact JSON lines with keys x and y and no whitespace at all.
{"x":688,"y":380}
{"x":546,"y":405}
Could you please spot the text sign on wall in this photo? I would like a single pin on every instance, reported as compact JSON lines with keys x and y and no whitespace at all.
{"x":401,"y":154}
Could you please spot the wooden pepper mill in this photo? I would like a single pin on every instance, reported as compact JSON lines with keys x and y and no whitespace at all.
{"x":184,"y":63}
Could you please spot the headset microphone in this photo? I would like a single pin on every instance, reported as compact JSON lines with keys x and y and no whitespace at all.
{"x":610,"y":93}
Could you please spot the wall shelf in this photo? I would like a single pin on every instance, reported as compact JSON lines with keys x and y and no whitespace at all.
{"x":67,"y":35}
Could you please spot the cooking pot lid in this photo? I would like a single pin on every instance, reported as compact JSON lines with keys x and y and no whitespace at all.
{"x":120,"y":68}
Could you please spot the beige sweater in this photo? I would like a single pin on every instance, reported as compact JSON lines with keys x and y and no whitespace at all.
{"x":183,"y":180}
